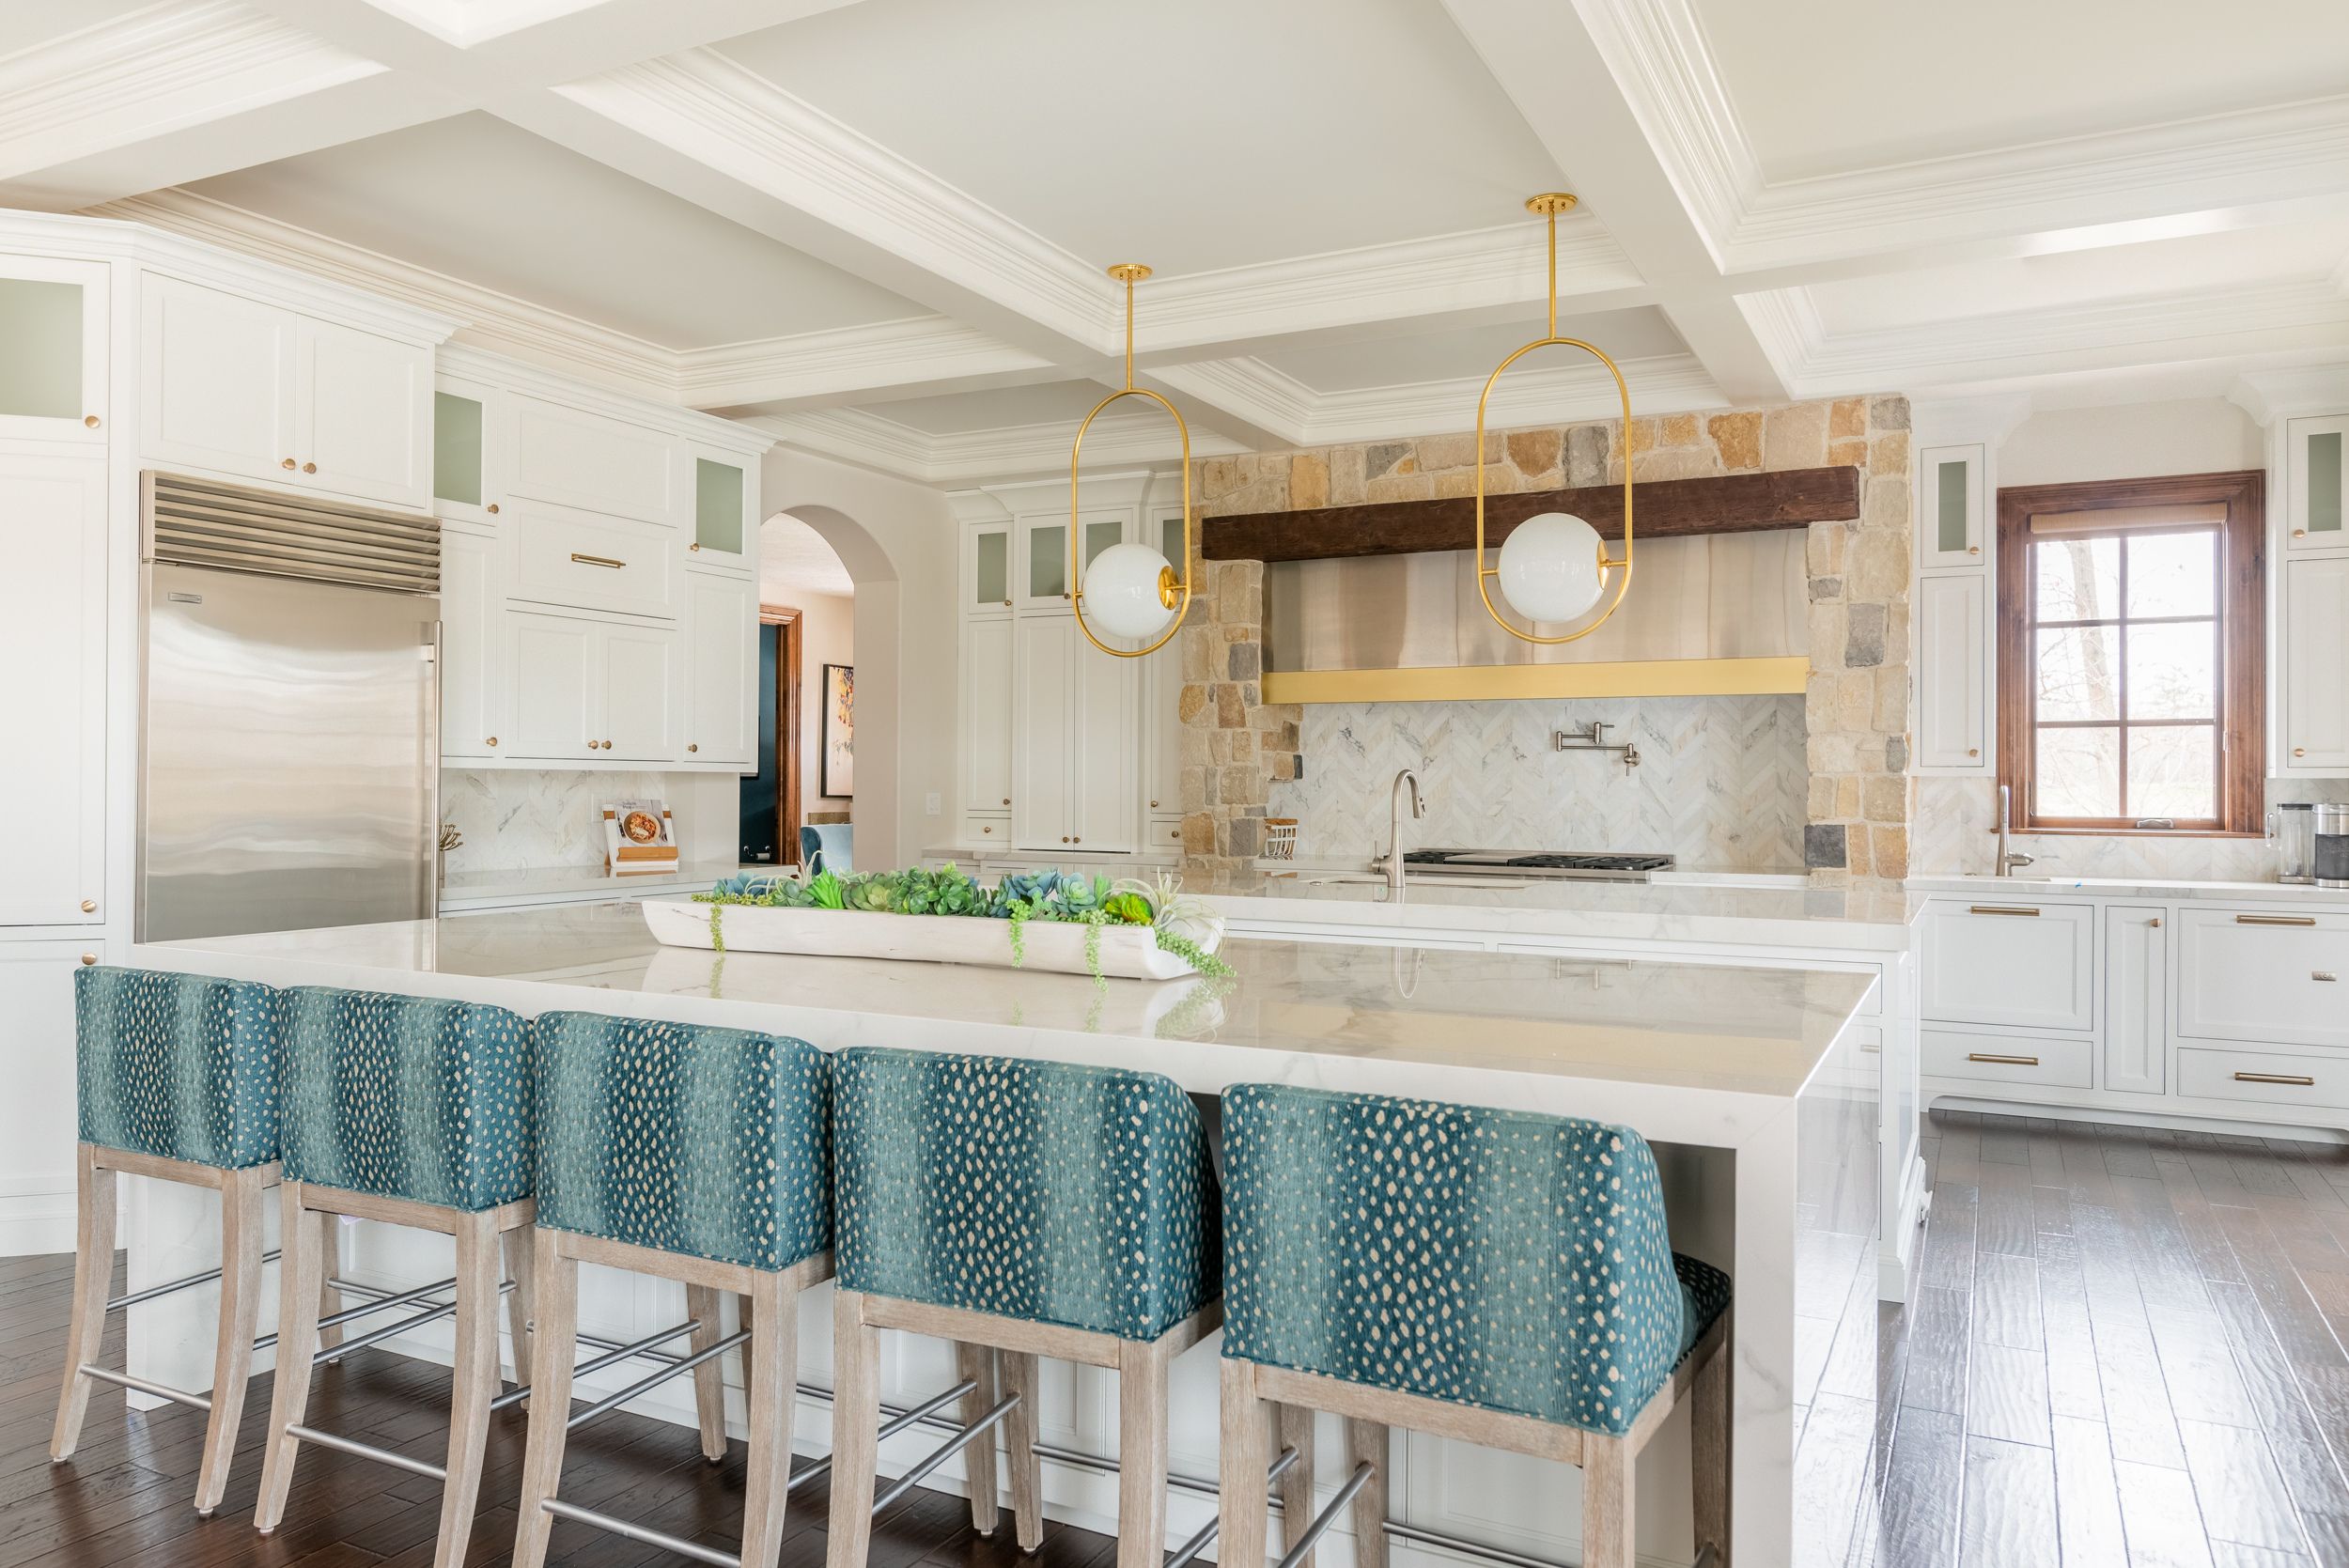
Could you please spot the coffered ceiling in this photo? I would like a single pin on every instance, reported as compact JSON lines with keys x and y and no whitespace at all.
{"x":880,"y":226}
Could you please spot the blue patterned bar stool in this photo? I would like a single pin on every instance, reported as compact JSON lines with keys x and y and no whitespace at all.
{"x":416,"y":1111}
{"x":698,"y":1155}
{"x":1025,"y":1208}
{"x":1493,"y":1277}
{"x":175,"y":1078}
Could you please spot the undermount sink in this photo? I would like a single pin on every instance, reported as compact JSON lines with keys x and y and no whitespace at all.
{"x":1410,"y":879}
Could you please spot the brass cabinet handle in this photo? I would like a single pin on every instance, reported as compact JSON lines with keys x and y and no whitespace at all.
{"x":1973,"y":550}
{"x":690,"y":747}
{"x":596,"y":561}
{"x":90,"y":905}
{"x":309,"y":468}
{"x":1007,"y":604}
{"x":2328,"y":976}
{"x":1154,"y":805}
{"x":494,"y":740}
{"x":285,"y":462}
{"x":1064,"y":838}
{"x":2275,"y":920}
{"x":2300,"y":751}
{"x":2002,"y":1060}
{"x":1973,"y":750}
{"x":2299,"y":532}
{"x":987,"y":830}
{"x":491,"y":509}
{"x":2292,"y":1079}
{"x":2002,"y":909}
{"x":89,"y":957}
{"x":1007,"y":800}
{"x":2155,"y":923}
{"x":90,"y":420}
{"x":1076,"y":841}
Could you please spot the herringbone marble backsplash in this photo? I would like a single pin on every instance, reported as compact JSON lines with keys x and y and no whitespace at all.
{"x":1721,"y":784}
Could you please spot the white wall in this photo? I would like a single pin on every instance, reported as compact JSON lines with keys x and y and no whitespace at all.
{"x":897,"y":539}
{"x":2131,"y":441}
{"x":828,"y":636}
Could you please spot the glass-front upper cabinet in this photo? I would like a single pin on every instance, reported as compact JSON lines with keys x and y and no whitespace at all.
{"x":468,"y":481}
{"x":52,"y":348}
{"x":723,"y":528}
{"x":1043,"y":563}
{"x":986,"y":572}
{"x":2316,"y":476}
{"x":1952,"y":523}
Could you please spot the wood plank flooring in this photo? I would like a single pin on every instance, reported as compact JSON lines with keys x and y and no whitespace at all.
{"x":2128,"y":1352}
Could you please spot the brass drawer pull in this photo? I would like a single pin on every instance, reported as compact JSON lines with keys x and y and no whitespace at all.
{"x":596,"y":560}
{"x":2275,"y":920}
{"x":2000,"y":909}
{"x":2002,"y":1060}
{"x":2325,"y":976}
{"x":2276,"y":1078}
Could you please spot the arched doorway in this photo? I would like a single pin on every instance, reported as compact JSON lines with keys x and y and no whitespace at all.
{"x":806,"y":674}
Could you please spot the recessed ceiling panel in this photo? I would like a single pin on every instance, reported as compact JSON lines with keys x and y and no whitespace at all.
{"x":1832,"y":86}
{"x":481,"y":200}
{"x":1201,"y":134}
{"x":1625,"y":335}
{"x":1001,"y":407}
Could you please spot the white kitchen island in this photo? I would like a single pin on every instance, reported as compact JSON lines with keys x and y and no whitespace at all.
{"x":1753,"y":1081}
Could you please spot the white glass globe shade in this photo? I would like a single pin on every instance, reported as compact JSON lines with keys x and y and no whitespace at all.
{"x":1122,"y":592}
{"x":1549,"y":568}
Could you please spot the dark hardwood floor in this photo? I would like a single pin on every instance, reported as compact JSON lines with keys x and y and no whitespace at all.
{"x":2127,"y":1350}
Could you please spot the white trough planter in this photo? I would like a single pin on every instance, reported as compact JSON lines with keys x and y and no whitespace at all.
{"x":1128,"y":952}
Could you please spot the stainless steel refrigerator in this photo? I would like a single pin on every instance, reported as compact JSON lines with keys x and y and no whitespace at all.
{"x":289,"y":746}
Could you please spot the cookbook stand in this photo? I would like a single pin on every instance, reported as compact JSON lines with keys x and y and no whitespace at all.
{"x":627,"y":855}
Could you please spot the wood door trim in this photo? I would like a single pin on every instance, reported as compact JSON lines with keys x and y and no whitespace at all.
{"x":787,"y":621}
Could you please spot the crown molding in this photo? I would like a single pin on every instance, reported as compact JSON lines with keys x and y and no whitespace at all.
{"x":920,"y":349}
{"x":468,"y":362}
{"x":1248,"y":389}
{"x":1547,"y":395}
{"x":1785,"y":321}
{"x":1656,"y":52}
{"x":1988,"y":419}
{"x":155,"y":71}
{"x":2268,"y":395}
{"x":861,"y":436}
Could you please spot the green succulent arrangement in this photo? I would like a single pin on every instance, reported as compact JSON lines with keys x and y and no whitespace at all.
{"x":1095,"y":902}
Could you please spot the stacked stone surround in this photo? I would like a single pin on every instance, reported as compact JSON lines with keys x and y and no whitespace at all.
{"x":1856,"y":704}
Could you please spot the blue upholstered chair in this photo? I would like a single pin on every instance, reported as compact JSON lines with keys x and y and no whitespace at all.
{"x":1493,"y":1275}
{"x":692,"y":1153}
{"x":175,"y":1078}
{"x":1019,"y":1208}
{"x":410,"y":1111}
{"x":829,"y":847}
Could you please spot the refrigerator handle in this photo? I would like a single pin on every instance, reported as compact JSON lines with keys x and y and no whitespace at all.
{"x":429,"y":895}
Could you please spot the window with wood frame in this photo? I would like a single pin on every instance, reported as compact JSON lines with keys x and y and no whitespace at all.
{"x":2132,"y":655}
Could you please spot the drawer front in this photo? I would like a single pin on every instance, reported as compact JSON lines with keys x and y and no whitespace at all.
{"x":2023,"y":962}
{"x":2052,"y":1063}
{"x":2264,"y":1077}
{"x":583,"y":561}
{"x":2266,"y":976}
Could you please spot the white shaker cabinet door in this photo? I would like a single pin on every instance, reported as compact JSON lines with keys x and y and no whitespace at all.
{"x":52,"y":636}
{"x":216,"y":381}
{"x":363,"y":414}
{"x":1044,"y":683}
{"x":551,"y":667}
{"x":1105,"y":764}
{"x":720,"y":669}
{"x":36,"y":1121}
{"x":473,"y":645}
{"x":1952,"y":685}
{"x":638,"y":670}
{"x":987,"y":739}
{"x":2137,"y":999}
{"x":2316,"y":665}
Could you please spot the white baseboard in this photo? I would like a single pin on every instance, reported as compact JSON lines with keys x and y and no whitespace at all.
{"x":35,"y":1219}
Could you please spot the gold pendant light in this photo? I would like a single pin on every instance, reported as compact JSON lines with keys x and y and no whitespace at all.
{"x":1553,"y":567}
{"x":1136,"y":589}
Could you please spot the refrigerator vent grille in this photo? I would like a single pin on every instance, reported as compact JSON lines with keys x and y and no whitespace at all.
{"x":209,"y":523}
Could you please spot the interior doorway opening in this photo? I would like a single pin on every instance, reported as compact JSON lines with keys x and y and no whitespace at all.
{"x":806,"y":661}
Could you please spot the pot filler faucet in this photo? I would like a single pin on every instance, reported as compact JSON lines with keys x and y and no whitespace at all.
{"x":1394,"y":824}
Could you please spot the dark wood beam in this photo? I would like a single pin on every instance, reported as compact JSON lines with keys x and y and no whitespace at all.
{"x":1665,"y":509}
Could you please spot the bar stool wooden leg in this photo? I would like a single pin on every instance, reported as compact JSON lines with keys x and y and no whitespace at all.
{"x":855,"y":1428}
{"x":330,"y":1299}
{"x":518,"y":1249}
{"x":1019,"y":1434}
{"x":476,"y":1377}
{"x":93,"y":1284}
{"x":1141,"y":1455}
{"x":1296,"y":1426}
{"x":976,"y":1364}
{"x":1708,"y":1448}
{"x":1241,"y":1463}
{"x":557,"y":1279}
{"x":1366,"y":1443}
{"x":241,"y":1195}
{"x":709,"y":1388}
{"x":1606,"y":1503}
{"x":300,"y":1266}
{"x":766,"y":1489}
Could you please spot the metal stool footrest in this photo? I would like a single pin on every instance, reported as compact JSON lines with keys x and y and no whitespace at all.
{"x":160,"y":1390}
{"x":678,"y":1545}
{"x":946,"y":1450}
{"x":1329,"y":1515}
{"x":904,"y":1418}
{"x":645,"y":1385}
{"x":170,"y":1286}
{"x":1198,"y":1542}
{"x":369,"y":1450}
{"x":373,"y":1336}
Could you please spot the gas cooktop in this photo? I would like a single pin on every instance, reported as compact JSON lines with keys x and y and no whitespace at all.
{"x":1591,"y":866}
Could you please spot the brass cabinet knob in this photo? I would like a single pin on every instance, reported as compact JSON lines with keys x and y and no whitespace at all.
{"x":494,"y":740}
{"x":492,"y":509}
{"x":309,"y":468}
{"x":1007,"y":604}
{"x":285,"y":462}
{"x":1174,"y":833}
{"x":90,"y":905}
{"x":1154,"y":805}
{"x":1076,"y":841}
{"x":1064,"y":838}
{"x":2299,"y":532}
{"x":987,"y":830}
{"x":2300,"y":751}
{"x":1007,"y":800}
{"x":1973,"y":750}
{"x":695,"y":547}
{"x":1973,"y":550}
{"x":2155,"y":923}
{"x":90,"y":420}
{"x":89,"y":957}
{"x":690,"y":747}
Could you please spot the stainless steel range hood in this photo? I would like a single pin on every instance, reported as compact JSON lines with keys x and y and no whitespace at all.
{"x":1716,"y":613}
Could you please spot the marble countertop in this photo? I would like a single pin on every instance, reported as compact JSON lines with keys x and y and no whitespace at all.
{"x":465,"y":889}
{"x":1872,"y":920}
{"x":1409,"y":1022}
{"x":2131,"y":887}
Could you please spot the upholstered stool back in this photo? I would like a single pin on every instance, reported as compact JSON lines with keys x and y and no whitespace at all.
{"x":179,"y":1065}
{"x":1032,"y":1189}
{"x":1493,"y":1258}
{"x":715,"y":1142}
{"x":414,"y":1097}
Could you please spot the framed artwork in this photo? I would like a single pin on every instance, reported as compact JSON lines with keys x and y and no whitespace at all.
{"x":838,"y":767}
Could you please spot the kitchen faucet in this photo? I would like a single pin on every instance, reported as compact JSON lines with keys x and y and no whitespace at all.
{"x":2010,"y":859}
{"x":1394,"y":824}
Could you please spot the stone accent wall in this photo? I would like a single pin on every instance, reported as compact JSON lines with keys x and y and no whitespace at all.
{"x":1858,"y":703}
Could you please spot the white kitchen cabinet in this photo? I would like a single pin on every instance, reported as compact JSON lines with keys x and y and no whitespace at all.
{"x":589,"y":689}
{"x":242,"y":387}
{"x":1952,"y":523}
{"x":53,"y":322}
{"x":589,"y":461}
{"x":36,"y":1121}
{"x":2316,"y":1087}
{"x":721,"y":700}
{"x":2316,"y":475}
{"x":636,"y":691}
{"x":2315,"y":676}
{"x":2003,"y":961}
{"x":986,"y":726}
{"x":987,"y":571}
{"x":1105,"y":762}
{"x":1953,"y":679}
{"x":2031,"y":1061}
{"x":1044,"y":684}
{"x":581,"y":560}
{"x":469,"y":430}
{"x":53,"y":641}
{"x":472,"y":644}
{"x":2137,"y":999}
{"x":2264,"y":976}
{"x":720,"y":504}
